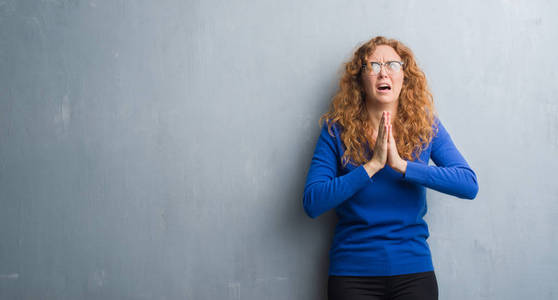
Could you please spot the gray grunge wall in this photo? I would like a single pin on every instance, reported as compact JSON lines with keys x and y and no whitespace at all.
{"x":159,"y":149}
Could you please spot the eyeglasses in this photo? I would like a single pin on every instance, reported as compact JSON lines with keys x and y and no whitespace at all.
{"x":373,"y":68}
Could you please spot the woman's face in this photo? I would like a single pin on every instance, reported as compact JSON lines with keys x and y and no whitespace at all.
{"x":374,"y":84}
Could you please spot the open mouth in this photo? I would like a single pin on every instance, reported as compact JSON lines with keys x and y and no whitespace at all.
{"x":384,"y":87}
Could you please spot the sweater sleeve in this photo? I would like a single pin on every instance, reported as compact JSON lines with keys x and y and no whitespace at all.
{"x":323,"y":190}
{"x":451,"y":175}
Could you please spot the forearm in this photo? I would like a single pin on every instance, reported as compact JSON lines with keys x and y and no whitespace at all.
{"x":459,"y":181}
{"x":321,"y":194}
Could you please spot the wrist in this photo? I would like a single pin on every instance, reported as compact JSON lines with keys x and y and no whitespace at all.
{"x":402,"y":167}
{"x":371,"y":168}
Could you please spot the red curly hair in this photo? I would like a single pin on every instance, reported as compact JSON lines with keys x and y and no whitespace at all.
{"x":415,"y":111}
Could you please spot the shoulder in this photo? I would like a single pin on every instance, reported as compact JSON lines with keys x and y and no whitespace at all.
{"x":440,"y":135}
{"x":437,"y":122}
{"x":439,"y":128}
{"x":330,"y":136}
{"x":332,"y":129}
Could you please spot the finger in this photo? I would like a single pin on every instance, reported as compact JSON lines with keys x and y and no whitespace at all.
{"x":392,"y":139}
{"x":385,"y":137}
{"x":381,"y":126}
{"x":388,"y":123}
{"x":387,"y":133}
{"x":390,"y":133}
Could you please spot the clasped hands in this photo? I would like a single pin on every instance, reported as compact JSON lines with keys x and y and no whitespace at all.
{"x":385,"y":150}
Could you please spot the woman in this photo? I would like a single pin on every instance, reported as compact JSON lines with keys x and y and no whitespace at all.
{"x":370,"y":164}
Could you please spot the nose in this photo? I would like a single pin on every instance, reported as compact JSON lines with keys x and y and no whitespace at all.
{"x":383,"y":71}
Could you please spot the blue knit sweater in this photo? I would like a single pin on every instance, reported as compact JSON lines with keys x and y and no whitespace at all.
{"x":380,"y":229}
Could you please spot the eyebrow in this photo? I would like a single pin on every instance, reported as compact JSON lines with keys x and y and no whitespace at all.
{"x":372,"y":61}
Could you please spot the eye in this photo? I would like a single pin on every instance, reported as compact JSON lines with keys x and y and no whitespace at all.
{"x":376,"y":67}
{"x":394,"y":65}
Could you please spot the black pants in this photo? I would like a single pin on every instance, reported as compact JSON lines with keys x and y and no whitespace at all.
{"x":416,"y":286}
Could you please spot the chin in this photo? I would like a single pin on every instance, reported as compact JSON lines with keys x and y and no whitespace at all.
{"x":385,"y":99}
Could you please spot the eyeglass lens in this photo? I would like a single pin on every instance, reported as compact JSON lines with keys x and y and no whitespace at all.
{"x":392,"y":67}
